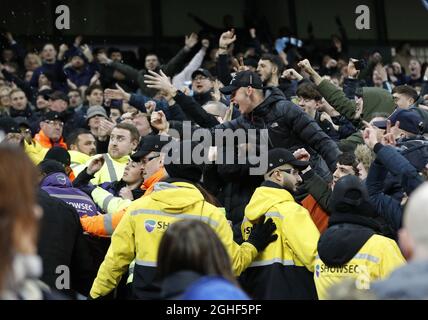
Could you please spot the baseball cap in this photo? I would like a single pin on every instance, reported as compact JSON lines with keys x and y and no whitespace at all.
{"x":243,"y":79}
{"x":58,"y":95}
{"x":48,"y":166}
{"x":150,"y":143}
{"x":52,"y":115}
{"x":280,"y":156}
{"x":409,"y":121}
{"x":96,"y":111}
{"x":203,"y":72}
{"x":22,"y":121}
{"x":9,"y":125}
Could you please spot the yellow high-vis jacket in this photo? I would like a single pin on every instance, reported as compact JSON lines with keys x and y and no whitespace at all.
{"x":35,"y":151}
{"x":141,"y":229}
{"x":78,"y":158}
{"x":375,"y":260}
{"x":284,"y":269}
{"x":111,"y":171}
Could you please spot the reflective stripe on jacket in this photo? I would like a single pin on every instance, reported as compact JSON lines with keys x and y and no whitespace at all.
{"x":112,"y":170}
{"x":140,"y":231}
{"x":284,"y":269}
{"x":376,"y":259}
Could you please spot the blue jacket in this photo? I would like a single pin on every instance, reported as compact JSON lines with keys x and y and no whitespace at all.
{"x":58,"y":185}
{"x":59,"y":82}
{"x":81,"y":78}
{"x":390,"y":160}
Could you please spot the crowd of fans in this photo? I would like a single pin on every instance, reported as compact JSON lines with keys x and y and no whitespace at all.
{"x":84,"y":181}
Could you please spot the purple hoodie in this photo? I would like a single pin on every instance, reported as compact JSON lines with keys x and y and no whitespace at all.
{"x":58,"y":185}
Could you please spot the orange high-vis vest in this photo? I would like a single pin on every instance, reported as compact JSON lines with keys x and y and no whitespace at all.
{"x":104,"y":225}
{"x":46,"y":142}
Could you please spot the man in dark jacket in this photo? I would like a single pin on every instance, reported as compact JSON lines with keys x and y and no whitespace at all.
{"x":288,"y":125}
{"x":389,"y":159}
{"x":21,"y":108}
{"x":62,"y":243}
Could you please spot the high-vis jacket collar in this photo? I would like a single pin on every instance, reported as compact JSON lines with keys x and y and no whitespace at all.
{"x":172,"y":200}
{"x":265,"y":198}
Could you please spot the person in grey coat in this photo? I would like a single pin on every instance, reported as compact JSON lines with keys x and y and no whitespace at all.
{"x":411,"y":280}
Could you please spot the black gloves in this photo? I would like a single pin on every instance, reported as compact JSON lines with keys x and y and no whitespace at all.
{"x":262,"y":234}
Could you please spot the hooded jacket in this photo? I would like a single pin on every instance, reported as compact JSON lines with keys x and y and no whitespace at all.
{"x":375,"y":100}
{"x":284,"y":269}
{"x":288,"y":126}
{"x":140,"y":231}
{"x":350,"y":248}
{"x":58,"y":185}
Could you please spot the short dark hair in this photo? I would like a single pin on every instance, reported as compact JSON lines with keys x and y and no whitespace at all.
{"x":151,"y":54}
{"x":73,"y":137}
{"x":407,"y":91}
{"x":308,"y":90}
{"x":113,"y":49}
{"x":75,"y":90}
{"x":274,"y":59}
{"x":348,"y":159}
{"x":135,"y":135}
{"x":93,"y":87}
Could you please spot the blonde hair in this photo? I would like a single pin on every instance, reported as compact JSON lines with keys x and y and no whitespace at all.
{"x":364,"y":155}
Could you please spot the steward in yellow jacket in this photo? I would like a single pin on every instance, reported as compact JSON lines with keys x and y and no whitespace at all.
{"x":352,"y":246}
{"x":284,"y":270}
{"x":140,"y":231}
{"x":78,"y":158}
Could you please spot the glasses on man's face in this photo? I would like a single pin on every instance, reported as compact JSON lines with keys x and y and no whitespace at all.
{"x":199,"y":78}
{"x":25,"y":130}
{"x":291,"y":171}
{"x":55,"y":123}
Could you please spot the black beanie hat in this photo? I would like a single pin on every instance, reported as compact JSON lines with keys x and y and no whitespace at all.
{"x":59,"y":154}
{"x":350,"y":196}
{"x":177,"y":168}
{"x":49,"y":166}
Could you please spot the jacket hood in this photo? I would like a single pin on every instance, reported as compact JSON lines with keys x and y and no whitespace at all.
{"x":376,"y":100}
{"x":57,"y":180}
{"x":176,"y":197}
{"x":341,"y":242}
{"x":263,"y":199}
